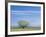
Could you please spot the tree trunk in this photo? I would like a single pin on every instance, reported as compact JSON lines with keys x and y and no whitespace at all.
{"x":23,"y":27}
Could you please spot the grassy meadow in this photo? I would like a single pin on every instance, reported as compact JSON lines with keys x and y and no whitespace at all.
{"x":24,"y":29}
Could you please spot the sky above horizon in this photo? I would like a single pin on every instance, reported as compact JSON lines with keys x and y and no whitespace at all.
{"x":32,"y":14}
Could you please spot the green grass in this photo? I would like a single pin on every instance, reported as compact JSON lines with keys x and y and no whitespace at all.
{"x":25,"y":29}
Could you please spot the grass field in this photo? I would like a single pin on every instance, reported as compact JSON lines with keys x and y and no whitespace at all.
{"x":25,"y":29}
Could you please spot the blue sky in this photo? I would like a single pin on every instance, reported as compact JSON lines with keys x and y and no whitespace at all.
{"x":27,"y":13}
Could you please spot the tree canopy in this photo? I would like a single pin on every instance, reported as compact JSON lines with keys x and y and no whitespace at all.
{"x":23,"y":23}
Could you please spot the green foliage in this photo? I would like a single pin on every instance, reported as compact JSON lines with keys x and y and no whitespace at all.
{"x":23,"y":23}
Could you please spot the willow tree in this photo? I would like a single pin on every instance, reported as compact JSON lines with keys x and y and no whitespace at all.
{"x":23,"y":23}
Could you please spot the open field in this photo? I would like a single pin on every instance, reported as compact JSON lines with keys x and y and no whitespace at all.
{"x":25,"y":29}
